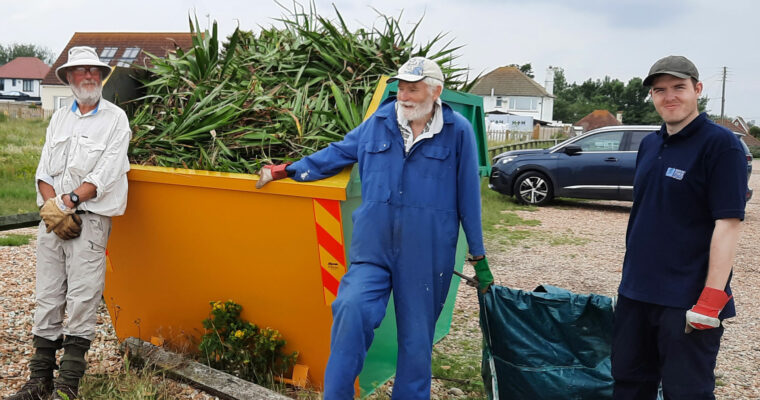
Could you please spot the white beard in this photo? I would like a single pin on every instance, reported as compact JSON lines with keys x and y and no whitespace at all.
{"x":419,"y":110}
{"x":87,"y":97}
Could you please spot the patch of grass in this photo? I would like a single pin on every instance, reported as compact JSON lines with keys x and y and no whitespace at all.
{"x":461,"y":369}
{"x":13,"y":239}
{"x":129,"y":384}
{"x":499,"y":217}
{"x":20,"y":146}
{"x":567,"y":239}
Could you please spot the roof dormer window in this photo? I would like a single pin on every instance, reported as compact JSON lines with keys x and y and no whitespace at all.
{"x":129,"y":56}
{"x":107,"y":54}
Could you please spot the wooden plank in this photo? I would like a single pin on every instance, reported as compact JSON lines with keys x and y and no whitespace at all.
{"x":8,"y":222}
{"x":212,"y":381}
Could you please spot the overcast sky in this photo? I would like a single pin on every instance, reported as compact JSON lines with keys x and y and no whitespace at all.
{"x":587,"y":38}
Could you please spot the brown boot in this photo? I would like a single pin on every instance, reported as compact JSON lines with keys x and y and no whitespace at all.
{"x":62,"y":389}
{"x":34,"y":389}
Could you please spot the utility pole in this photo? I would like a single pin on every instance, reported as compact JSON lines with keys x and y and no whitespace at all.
{"x":723,"y":95}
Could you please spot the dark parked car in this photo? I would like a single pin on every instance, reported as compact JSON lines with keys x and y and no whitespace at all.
{"x":14,"y":95}
{"x":596,"y":165}
{"x":748,"y":154}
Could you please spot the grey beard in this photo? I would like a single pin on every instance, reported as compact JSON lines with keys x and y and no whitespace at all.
{"x":87,"y":97}
{"x":418,"y":112}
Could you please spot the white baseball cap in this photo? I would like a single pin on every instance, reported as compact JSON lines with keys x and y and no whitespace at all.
{"x":83,"y":56}
{"x":417,"y":69}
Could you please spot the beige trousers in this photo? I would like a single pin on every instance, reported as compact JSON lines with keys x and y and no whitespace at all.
{"x":70,"y":279}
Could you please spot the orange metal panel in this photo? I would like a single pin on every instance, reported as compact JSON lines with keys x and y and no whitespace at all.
{"x":192,"y":237}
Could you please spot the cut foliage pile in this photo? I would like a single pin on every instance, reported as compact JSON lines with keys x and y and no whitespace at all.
{"x":274,"y":96}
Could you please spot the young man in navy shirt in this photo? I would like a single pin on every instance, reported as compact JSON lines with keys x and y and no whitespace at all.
{"x":689,"y":197}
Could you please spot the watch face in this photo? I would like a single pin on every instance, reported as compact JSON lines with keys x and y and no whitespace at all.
{"x":74,"y":198}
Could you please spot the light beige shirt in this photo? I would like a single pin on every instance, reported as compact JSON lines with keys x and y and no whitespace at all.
{"x":433,"y":126}
{"x":88,"y":148}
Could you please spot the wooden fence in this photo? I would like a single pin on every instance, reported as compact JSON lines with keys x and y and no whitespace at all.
{"x":531,"y":144}
{"x":21,"y":110}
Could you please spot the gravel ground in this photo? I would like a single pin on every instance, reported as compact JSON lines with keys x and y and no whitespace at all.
{"x":587,"y":259}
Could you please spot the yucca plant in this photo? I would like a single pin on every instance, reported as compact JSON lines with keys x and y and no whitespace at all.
{"x":276,"y":96}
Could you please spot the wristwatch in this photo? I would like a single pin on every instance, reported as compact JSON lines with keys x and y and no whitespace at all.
{"x":74,"y":198}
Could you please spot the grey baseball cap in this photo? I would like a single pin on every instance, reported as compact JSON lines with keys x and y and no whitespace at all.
{"x":677,"y":66}
{"x":417,"y":69}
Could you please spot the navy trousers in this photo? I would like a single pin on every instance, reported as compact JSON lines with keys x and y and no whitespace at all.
{"x":650,"y":346}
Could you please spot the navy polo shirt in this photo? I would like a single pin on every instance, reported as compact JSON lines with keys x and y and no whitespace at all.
{"x":683,"y":183}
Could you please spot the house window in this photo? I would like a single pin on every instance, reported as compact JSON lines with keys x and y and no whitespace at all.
{"x":28,"y":85}
{"x":2,"y":84}
{"x":499,"y":102}
{"x":523,"y":103}
{"x":62,"y":101}
{"x":129,"y":56}
{"x":107,"y":54}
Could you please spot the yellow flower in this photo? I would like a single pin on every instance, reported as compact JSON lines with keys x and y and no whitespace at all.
{"x":239,"y":334}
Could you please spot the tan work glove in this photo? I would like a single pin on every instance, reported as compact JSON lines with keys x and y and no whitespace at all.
{"x":53,"y":212}
{"x":69,"y":228}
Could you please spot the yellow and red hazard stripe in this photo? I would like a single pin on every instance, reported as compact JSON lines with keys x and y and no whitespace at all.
{"x":332,"y":252}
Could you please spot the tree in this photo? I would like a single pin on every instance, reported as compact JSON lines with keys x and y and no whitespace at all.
{"x":574,"y":101}
{"x":11,"y":51}
{"x":755,"y":131}
{"x":526,"y":69}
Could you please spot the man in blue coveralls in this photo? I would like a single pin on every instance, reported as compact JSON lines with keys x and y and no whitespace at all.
{"x":689,"y":196}
{"x":419,"y":170}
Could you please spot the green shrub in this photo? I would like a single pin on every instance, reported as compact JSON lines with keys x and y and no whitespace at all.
{"x":241,"y":348}
{"x":755,"y":150}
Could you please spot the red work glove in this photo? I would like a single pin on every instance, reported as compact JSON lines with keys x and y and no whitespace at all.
{"x":270,"y":173}
{"x":704,"y":314}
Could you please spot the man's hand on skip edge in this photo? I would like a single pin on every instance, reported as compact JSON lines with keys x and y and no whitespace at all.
{"x":270,"y":173}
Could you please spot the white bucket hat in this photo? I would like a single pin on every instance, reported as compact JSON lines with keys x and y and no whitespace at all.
{"x":82,"y":56}
{"x":417,"y":69}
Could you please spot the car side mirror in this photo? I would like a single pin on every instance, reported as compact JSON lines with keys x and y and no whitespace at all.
{"x":572,"y":149}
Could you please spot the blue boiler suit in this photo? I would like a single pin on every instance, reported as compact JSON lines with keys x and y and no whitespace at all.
{"x":404,"y":240}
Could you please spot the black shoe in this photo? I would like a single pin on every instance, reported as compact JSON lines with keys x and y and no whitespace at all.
{"x":34,"y":389}
{"x":61,"y":389}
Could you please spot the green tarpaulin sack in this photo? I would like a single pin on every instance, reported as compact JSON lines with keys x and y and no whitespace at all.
{"x":546,"y":344}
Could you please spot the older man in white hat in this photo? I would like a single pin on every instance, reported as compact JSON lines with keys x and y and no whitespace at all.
{"x":81,"y":183}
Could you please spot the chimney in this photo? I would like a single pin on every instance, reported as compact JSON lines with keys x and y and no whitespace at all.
{"x":549,"y":81}
{"x":619,"y":116}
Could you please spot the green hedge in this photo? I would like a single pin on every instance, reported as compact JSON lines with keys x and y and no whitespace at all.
{"x":755,"y":150}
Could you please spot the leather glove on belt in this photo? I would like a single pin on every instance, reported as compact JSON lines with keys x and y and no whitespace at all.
{"x":53,"y":212}
{"x":270,"y":173}
{"x":704,"y":314}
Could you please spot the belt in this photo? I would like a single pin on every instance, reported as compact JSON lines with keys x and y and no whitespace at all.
{"x":84,"y":212}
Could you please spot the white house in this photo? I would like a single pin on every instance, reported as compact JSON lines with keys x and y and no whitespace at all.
{"x":23,"y":74}
{"x":509,"y":90}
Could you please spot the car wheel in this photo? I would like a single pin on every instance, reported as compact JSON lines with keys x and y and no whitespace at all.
{"x":533,"y":188}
